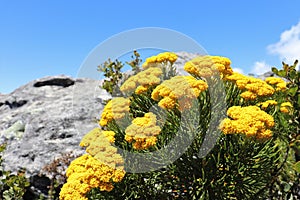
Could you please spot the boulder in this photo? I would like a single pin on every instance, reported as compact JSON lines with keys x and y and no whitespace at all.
{"x":47,"y":118}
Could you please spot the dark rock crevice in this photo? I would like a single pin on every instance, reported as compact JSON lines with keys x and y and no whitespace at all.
{"x":61,"y":136}
{"x":39,"y":185}
{"x":14,"y":104}
{"x":63,"y":82}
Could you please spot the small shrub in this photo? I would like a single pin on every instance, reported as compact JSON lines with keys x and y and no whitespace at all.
{"x":12,"y":186}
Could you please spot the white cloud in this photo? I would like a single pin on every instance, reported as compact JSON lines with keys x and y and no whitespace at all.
{"x":260,"y":67}
{"x":288,"y":48}
{"x":238,"y":70}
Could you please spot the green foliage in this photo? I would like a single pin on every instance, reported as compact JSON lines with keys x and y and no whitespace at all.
{"x":297,"y":166}
{"x":12,"y":187}
{"x":236,"y":168}
{"x":135,"y":62}
{"x":112,"y":71}
{"x":114,"y":76}
{"x":286,"y":183}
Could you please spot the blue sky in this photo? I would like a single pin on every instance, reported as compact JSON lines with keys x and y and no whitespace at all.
{"x":42,"y":38}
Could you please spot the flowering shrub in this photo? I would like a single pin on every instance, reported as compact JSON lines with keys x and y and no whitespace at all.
{"x":254,"y":155}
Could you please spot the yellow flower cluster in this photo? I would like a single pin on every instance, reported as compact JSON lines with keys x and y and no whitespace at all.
{"x":267,"y":103}
{"x":249,"y":120}
{"x":141,"y":81}
{"x":98,"y":144}
{"x":160,"y":58}
{"x":114,"y":109}
{"x":285,"y":107}
{"x":206,"y":66}
{"x":181,"y":88}
{"x":143,"y":131}
{"x":278,"y":82}
{"x":85,"y":173}
{"x":254,"y":87}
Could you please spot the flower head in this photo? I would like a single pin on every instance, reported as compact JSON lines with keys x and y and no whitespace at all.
{"x":179,"y":89}
{"x":85,"y":173}
{"x":160,"y":58}
{"x":286,"y":107}
{"x":249,"y":120}
{"x":206,"y":66}
{"x":279,"y":84}
{"x":98,"y":144}
{"x":266,"y":104}
{"x":253,"y":87}
{"x":143,"y":131}
{"x":142,"y":80}
{"x":115,"y":109}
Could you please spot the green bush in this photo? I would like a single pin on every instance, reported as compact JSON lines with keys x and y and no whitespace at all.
{"x":255,"y":155}
{"x":12,"y":187}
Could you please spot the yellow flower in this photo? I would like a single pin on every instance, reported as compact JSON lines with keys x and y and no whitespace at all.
{"x":249,"y":120}
{"x":98,"y":143}
{"x":142,"y":80}
{"x":267,"y":103}
{"x":253,"y":87}
{"x":143,"y":131}
{"x":248,"y":95}
{"x":287,"y":104}
{"x":140,"y":89}
{"x":110,"y":135}
{"x":286,"y":107}
{"x":91,"y":136}
{"x":160,"y":58}
{"x":178,"y":88}
{"x":278,"y":82}
{"x":273,"y":80}
{"x":115,"y":109}
{"x":281,"y":86}
{"x":206,"y":66}
{"x":85,"y":173}
{"x":167,"y":103}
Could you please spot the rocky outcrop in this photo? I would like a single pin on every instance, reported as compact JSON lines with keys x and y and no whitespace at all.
{"x":266,"y":75}
{"x":46,"y":118}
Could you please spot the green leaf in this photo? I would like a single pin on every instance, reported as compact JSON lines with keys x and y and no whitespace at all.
{"x":286,"y":186}
{"x":292,"y":74}
{"x":292,"y":91}
{"x":295,"y":63}
{"x":283,"y":122}
{"x":275,"y":70}
{"x":282,"y":73}
{"x":297,"y":166}
{"x":16,"y":188}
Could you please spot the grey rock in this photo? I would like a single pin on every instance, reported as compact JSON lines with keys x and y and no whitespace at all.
{"x":266,"y":75}
{"x":46,"y":118}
